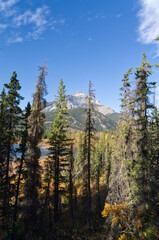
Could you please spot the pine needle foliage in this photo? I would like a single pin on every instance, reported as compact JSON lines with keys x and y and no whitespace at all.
{"x":3,"y":156}
{"x":134,"y":173}
{"x":59,"y":148}
{"x":33,"y":181}
{"x":143,"y":113}
{"x":12,"y":120}
{"x":89,"y":135}
{"x":22,"y":150}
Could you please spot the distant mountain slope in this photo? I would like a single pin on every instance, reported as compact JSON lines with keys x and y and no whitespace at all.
{"x":114,"y":116}
{"x":105,"y":116}
{"x":78,"y":100}
{"x":77,"y":119}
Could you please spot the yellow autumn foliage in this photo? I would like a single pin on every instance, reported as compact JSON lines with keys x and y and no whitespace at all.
{"x":153,"y":233}
{"x":118,"y":211}
{"x":122,"y":237}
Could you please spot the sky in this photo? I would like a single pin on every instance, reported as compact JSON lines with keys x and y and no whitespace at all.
{"x":80,"y":40}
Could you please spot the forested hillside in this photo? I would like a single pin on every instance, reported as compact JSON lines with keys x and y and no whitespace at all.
{"x":100,"y":179}
{"x":77,"y":118}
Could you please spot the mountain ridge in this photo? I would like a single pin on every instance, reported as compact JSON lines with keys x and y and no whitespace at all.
{"x":78,"y":100}
{"x":105,"y":117}
{"x":78,"y":117}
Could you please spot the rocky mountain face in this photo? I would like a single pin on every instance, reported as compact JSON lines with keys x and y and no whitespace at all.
{"x":105,"y":117}
{"x":78,"y":100}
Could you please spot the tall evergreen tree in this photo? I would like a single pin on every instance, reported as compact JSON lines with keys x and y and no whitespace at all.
{"x":13,"y":99}
{"x":108,"y":156}
{"x":89,"y":135}
{"x":3,"y":155}
{"x":33,"y":181}
{"x":143,"y":113}
{"x":155,"y":158}
{"x":80,"y":159}
{"x":3,"y":119}
{"x":22,"y":150}
{"x":71,"y":167}
{"x":126,"y":93}
{"x":47,"y":217}
{"x":98,"y":166}
{"x":135,"y":157}
{"x":126,"y":128}
{"x":59,"y":150}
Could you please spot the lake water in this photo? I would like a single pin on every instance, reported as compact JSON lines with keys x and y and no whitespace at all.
{"x":44,"y":151}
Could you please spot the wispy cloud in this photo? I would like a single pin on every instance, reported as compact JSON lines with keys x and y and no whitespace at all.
{"x":8,"y":8}
{"x":96,"y":16}
{"x":118,"y":15}
{"x":5,"y":5}
{"x":90,"y":39}
{"x":29,"y":23}
{"x":148,"y":21}
{"x":36,"y":33}
{"x":15,"y":39}
{"x":3,"y":26}
{"x":39,"y":17}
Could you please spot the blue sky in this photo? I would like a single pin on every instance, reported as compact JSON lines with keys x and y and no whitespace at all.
{"x":81,"y":40}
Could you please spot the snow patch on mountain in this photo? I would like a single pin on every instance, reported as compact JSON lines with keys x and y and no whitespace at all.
{"x":78,"y":100}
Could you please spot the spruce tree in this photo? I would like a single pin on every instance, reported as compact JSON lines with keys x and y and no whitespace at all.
{"x":80,"y":154}
{"x":126,"y":130}
{"x":126,"y":93}
{"x":3,"y":119}
{"x":89,"y":130}
{"x":135,"y":157}
{"x":22,"y":150}
{"x":48,"y":205}
{"x":13,"y":99}
{"x":155,"y":158}
{"x":59,"y":148}
{"x":143,"y":111}
{"x":33,"y":181}
{"x":108,"y":157}
{"x":98,"y":166}
{"x":3,"y":155}
{"x":71,"y":188}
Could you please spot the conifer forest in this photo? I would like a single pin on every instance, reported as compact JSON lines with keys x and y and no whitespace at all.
{"x":91,"y":184}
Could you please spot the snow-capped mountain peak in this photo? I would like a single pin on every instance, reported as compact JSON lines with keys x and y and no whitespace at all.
{"x":77,"y":94}
{"x":78,"y":100}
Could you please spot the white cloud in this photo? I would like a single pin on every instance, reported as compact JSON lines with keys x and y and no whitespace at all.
{"x":5,"y":5}
{"x":22,"y":19}
{"x":97,"y":16}
{"x":35,"y":21}
{"x":15,"y":39}
{"x":61,"y":21}
{"x":36,"y":33}
{"x":149,"y":21}
{"x":11,"y":12}
{"x":3,"y":26}
{"x":39,"y":17}
{"x":118,"y":15}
